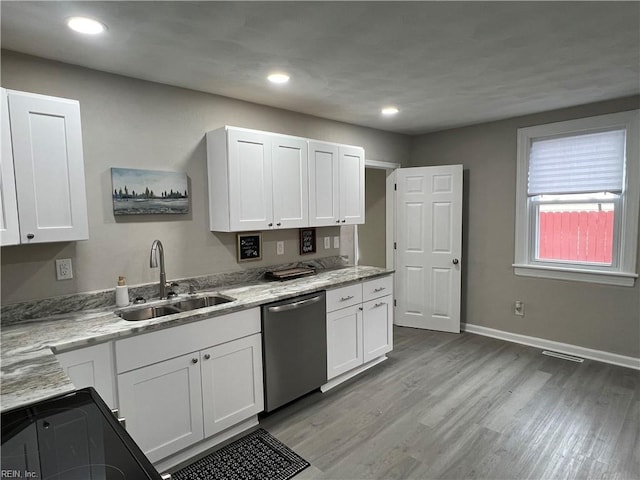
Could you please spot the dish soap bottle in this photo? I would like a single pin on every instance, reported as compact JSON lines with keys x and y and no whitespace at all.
{"x":122,"y":293}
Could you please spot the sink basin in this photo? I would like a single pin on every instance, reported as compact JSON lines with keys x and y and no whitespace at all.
{"x":146,"y":313}
{"x":201,"y":302}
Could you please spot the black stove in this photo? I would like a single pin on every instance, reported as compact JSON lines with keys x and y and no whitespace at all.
{"x":70,"y":437}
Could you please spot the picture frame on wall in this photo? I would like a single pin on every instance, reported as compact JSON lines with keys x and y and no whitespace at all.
{"x":307,"y":241}
{"x":149,"y":192}
{"x":249,"y":246}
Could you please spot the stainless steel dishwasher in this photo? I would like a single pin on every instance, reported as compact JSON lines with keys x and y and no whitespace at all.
{"x":294,"y":346}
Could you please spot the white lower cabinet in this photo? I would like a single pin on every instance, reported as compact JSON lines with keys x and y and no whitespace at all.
{"x":377,"y":331}
{"x":358,"y":331}
{"x":231,"y":383}
{"x":181,"y":385}
{"x":162,"y":405}
{"x":92,"y":367}
{"x":344,"y":340}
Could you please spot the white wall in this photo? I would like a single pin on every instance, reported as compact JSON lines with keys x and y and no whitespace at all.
{"x":139,"y":124}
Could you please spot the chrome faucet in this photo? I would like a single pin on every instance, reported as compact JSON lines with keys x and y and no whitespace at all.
{"x":156,"y":247}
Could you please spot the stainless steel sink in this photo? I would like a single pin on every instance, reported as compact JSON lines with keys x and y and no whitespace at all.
{"x":148,"y":312}
{"x":201,"y":302}
{"x":145,"y":313}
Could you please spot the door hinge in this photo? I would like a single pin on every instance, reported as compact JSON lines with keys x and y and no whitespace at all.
{"x":395,"y":245}
{"x":395,"y":302}
{"x":395,"y":186}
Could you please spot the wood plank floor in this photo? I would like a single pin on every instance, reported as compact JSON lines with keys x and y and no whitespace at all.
{"x":465,"y":407}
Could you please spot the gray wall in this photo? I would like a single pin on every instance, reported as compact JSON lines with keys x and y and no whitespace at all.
{"x":134,"y":123}
{"x":371,"y":235}
{"x":594,"y":316}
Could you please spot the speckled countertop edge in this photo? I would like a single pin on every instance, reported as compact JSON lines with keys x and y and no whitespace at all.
{"x":30,"y":371}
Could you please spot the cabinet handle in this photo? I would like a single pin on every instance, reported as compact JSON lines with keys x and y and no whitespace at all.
{"x":360,"y":308}
{"x":30,"y":236}
{"x":271,"y":224}
{"x":455,"y":261}
{"x":344,"y":221}
{"x":379,"y":304}
{"x":376,"y":290}
{"x":194,"y":360}
{"x":338,"y":221}
{"x":344,"y":299}
{"x":207,"y":356}
{"x":122,"y":421}
{"x":278,"y":224}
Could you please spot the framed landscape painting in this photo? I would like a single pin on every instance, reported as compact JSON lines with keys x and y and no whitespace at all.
{"x":148,"y":192}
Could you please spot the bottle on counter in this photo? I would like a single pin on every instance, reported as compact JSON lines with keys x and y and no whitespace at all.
{"x":122,"y":293}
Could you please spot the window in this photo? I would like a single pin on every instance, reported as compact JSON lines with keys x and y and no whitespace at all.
{"x":578,"y":191}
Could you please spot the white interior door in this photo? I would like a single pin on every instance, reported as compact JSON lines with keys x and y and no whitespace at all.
{"x":429,"y":247}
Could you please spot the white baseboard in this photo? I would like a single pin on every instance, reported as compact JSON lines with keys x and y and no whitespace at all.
{"x":599,"y":355}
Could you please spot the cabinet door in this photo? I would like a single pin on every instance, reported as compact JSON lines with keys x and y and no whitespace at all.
{"x":231,"y":383}
{"x":49,"y":168}
{"x":324,"y":184}
{"x":92,"y":367}
{"x":9,"y":230}
{"x":351,"y":185}
{"x":162,"y":404}
{"x":250,"y":180}
{"x":290,"y":182}
{"x":377,"y":327}
{"x":344,"y":340}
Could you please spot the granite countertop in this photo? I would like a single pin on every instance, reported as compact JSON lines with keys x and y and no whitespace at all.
{"x":30,"y":371}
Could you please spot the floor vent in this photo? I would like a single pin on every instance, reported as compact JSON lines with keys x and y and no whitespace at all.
{"x":563,"y":356}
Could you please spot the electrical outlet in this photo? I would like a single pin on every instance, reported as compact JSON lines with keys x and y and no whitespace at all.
{"x":336,"y":242}
{"x":64,"y":269}
{"x":327,"y":243}
{"x":518,"y":308}
{"x":280,"y":247}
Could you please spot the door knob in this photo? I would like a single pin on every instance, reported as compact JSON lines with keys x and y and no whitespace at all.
{"x":455,"y":261}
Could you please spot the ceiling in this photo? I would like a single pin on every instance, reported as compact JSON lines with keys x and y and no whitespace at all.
{"x":443,"y":64}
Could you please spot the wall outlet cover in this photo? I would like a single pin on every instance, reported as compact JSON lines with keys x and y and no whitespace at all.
{"x":327,"y":243}
{"x":280,"y":247}
{"x":64,"y":269}
{"x":336,"y":242}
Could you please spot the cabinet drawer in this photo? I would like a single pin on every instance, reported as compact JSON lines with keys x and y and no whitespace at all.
{"x":344,"y":297}
{"x":376,"y":288}
{"x":148,"y":348}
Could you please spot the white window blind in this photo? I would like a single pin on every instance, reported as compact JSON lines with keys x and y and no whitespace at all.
{"x":582,"y":163}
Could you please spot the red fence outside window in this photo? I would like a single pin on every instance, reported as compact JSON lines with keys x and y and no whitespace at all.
{"x":585,"y":236}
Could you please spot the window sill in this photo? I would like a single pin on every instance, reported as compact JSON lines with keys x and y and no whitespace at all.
{"x":577,"y":275}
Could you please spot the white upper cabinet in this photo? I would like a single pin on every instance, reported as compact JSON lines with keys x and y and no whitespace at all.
{"x":46,"y":138}
{"x":9,"y":229}
{"x":257,"y":180}
{"x":336,"y":184}
{"x":290,"y":186}
{"x":324,"y":184}
{"x":351,"y":185}
{"x":262,"y":181}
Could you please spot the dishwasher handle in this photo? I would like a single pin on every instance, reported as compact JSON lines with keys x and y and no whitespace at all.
{"x":294,"y":305}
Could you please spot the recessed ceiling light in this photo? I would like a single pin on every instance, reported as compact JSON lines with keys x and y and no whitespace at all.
{"x":278,"y":78}
{"x":85,"y":25}
{"x":388,"y":111}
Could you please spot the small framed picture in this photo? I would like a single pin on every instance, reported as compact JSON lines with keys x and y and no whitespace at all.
{"x":307,"y":241}
{"x":249,"y":246}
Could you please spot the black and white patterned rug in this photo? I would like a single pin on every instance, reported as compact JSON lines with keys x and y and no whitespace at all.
{"x":255,"y":456}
